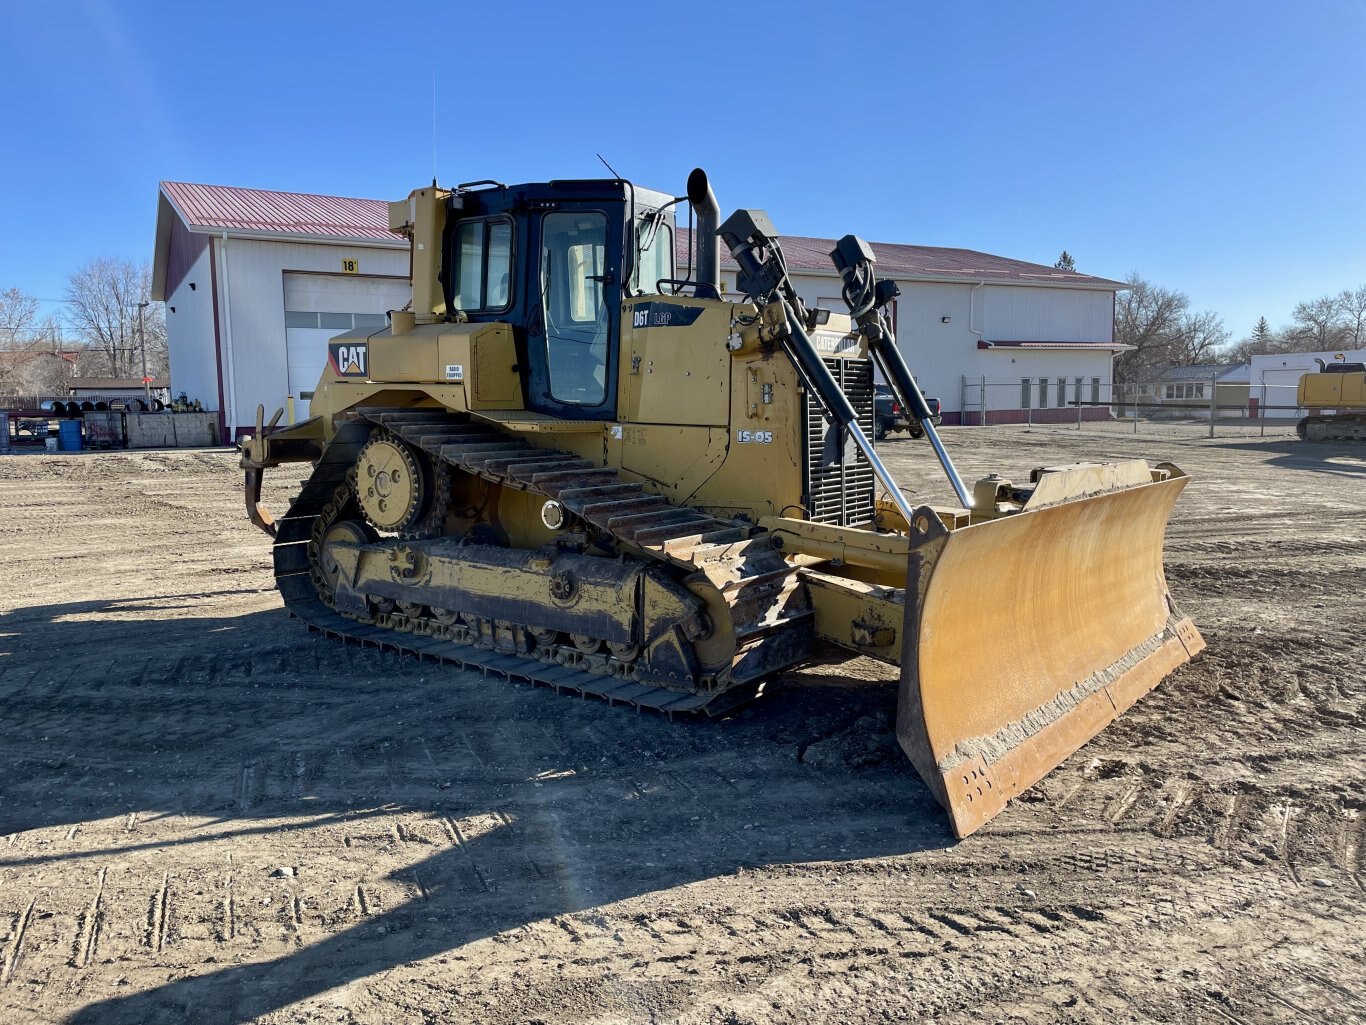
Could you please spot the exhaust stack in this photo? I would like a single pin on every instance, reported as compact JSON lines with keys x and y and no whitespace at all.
{"x":703,"y":202}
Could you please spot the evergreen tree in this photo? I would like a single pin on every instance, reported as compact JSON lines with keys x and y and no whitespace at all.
{"x":1065,"y":261}
{"x":1261,"y":334}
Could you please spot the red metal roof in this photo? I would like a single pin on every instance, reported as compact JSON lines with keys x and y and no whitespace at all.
{"x":297,"y":213}
{"x":279,"y":213}
{"x":895,"y":260}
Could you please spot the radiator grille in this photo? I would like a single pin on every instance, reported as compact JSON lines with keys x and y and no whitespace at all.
{"x":839,"y":480}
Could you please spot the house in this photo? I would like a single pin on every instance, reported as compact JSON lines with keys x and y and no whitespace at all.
{"x":39,"y":369}
{"x":1189,"y":390}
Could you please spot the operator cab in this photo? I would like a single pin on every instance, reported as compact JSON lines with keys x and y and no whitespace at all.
{"x":555,"y":261}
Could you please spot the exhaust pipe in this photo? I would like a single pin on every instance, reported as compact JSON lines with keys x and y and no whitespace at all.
{"x":703,"y":202}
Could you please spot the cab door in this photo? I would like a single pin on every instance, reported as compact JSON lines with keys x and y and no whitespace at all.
{"x":574,"y":325}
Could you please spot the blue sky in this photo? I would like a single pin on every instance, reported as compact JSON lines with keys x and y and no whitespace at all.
{"x":1213,"y":147}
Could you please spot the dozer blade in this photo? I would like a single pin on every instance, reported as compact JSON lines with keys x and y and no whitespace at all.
{"x":1031,"y":634}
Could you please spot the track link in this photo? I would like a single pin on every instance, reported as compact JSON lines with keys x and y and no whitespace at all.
{"x":769,"y":610}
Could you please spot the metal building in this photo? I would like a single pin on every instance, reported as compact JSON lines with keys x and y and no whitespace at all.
{"x":255,"y":283}
{"x":1032,"y":339}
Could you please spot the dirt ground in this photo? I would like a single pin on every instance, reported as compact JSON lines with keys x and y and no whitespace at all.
{"x":209,"y":815}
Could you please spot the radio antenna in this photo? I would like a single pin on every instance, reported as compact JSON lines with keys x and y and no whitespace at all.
{"x":433,"y":127}
{"x":608,"y":166}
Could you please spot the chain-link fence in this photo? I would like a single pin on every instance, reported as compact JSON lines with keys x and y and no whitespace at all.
{"x":1176,"y":403}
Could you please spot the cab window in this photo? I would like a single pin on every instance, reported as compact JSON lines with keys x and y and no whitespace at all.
{"x":655,"y":262}
{"x":573,"y":272}
{"x":483,"y":264}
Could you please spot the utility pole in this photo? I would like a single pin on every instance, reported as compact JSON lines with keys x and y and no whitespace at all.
{"x":142,"y":338}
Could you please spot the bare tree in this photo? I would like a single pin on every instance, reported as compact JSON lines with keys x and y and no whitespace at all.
{"x":18,"y":314}
{"x":1353,"y":309}
{"x":1149,"y":318}
{"x":102,"y":304}
{"x":1318,"y":323}
{"x":1199,"y":337}
{"x":154,"y":324}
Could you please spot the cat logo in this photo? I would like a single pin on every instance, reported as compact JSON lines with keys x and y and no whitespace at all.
{"x":347,"y":358}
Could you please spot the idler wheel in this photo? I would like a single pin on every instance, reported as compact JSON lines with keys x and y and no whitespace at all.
{"x":351,"y":532}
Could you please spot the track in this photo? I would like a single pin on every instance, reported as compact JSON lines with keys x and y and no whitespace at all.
{"x":1343,"y":428}
{"x":767,"y":608}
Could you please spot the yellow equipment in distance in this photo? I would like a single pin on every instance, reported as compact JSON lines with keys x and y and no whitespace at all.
{"x":1340,"y":387}
{"x":565,"y":464}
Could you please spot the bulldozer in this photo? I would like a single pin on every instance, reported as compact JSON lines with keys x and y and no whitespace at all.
{"x":1339,"y":386}
{"x":573,"y":460}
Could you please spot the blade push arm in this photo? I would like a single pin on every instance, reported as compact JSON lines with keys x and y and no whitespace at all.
{"x":763,"y":277}
{"x":867,"y":297}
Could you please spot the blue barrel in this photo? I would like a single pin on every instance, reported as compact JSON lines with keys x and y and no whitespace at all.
{"x":69,"y":436}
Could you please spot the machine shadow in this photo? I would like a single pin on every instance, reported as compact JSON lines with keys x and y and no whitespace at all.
{"x":597,"y":835}
{"x":1316,"y":456}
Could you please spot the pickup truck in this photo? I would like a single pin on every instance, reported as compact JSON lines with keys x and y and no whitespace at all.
{"x":888,"y":415}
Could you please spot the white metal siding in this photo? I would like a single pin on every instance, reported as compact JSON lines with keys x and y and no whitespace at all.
{"x":1019,"y":313}
{"x":255,"y":325}
{"x":189,"y":335}
{"x":941,"y":355}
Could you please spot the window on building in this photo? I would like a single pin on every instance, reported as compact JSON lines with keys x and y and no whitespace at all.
{"x":1043,"y":392}
{"x":335,"y":321}
{"x":1095,"y":389}
{"x":1170,"y":391}
{"x":1062,"y":391}
{"x":1199,"y":391}
{"x":1025,"y":388}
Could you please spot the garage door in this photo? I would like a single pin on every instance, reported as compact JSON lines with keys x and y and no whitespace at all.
{"x":321,"y":306}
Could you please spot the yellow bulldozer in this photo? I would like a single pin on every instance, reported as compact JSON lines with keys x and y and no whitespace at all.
{"x":567,"y":462}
